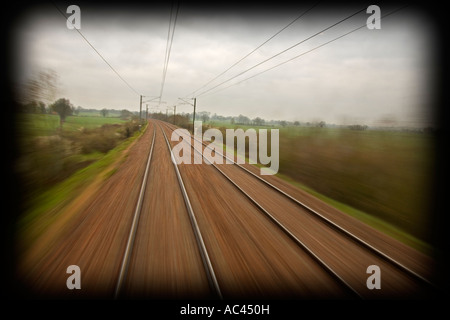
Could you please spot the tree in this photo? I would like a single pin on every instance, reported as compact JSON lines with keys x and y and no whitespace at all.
{"x":296,"y":123}
{"x":258,"y":121}
{"x":205,"y":117}
{"x":41,"y":107}
{"x":125,"y":114}
{"x":77,"y":110}
{"x":104,"y":112}
{"x":34,"y":107}
{"x":358,"y":127}
{"x":321,"y":124}
{"x":283,"y":123}
{"x":63,"y":107}
{"x":243,"y":119}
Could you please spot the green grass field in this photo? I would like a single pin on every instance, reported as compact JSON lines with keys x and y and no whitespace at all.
{"x":48,"y":124}
{"x":381,"y":177}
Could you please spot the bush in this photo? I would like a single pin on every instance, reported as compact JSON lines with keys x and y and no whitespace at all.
{"x":129,"y":129}
{"x":45,"y":160}
{"x":101,"y":139}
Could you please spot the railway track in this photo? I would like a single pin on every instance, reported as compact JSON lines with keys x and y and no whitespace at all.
{"x":261,"y":243}
{"x":399,"y":280}
{"x":159,"y":230}
{"x":265,"y":262}
{"x":164,"y":256}
{"x":298,"y":242}
{"x":212,"y":280}
{"x":137,"y":212}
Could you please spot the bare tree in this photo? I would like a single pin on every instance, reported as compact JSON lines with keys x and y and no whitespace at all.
{"x":43,"y":86}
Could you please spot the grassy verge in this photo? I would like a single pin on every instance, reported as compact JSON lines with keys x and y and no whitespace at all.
{"x":368,"y":219}
{"x":44,"y":206}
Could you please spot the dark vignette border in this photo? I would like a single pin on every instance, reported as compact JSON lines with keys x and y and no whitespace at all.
{"x":13,"y":288}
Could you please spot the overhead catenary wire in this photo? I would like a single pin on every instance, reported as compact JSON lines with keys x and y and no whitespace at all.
{"x":168,"y":40}
{"x":168,"y":47}
{"x":283,"y":51}
{"x":254,"y":50}
{"x":98,"y":53}
{"x":306,"y":52}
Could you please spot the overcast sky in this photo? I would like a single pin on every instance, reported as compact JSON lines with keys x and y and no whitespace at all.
{"x":364,"y":77}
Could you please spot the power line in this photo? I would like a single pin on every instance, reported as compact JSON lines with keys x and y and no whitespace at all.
{"x":168,"y":47}
{"x":248,"y":54}
{"x":92,"y":46}
{"x":166,"y":53}
{"x":281,"y":52}
{"x":306,"y":52}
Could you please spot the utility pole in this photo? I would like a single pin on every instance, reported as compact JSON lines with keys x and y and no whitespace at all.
{"x":193,"y":118}
{"x":146,"y":112}
{"x":195,"y":105}
{"x":174,"y":112}
{"x":140,"y":107}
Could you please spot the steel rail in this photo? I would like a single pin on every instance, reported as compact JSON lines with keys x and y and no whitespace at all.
{"x":132,"y":234}
{"x":212,"y":280}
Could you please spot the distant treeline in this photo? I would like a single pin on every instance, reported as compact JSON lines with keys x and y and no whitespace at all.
{"x":39,"y":107}
{"x":206,"y":117}
{"x":182,"y":119}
